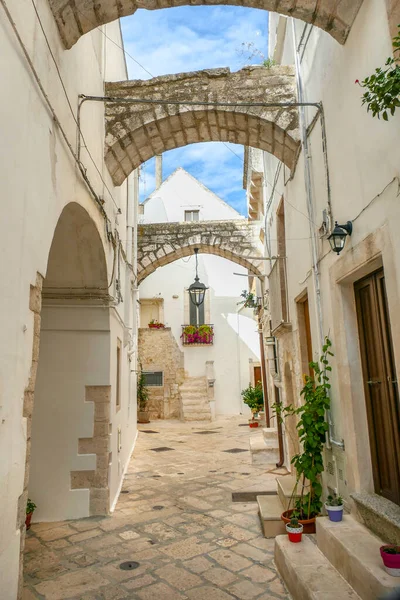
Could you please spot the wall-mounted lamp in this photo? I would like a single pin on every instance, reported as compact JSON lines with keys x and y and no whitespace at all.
{"x":337,"y":239}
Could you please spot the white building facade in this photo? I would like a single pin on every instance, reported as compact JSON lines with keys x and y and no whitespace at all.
{"x":68,"y":392}
{"x":348,"y":170}
{"x":230,"y":358}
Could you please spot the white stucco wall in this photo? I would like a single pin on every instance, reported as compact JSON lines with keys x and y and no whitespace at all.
{"x":363,"y":155}
{"x":39,"y":178}
{"x":236,"y":339}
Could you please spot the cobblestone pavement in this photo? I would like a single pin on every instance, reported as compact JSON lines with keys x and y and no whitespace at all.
{"x":174,"y":517}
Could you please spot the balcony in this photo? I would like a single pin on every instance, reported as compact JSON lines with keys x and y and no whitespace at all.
{"x":197,"y":335}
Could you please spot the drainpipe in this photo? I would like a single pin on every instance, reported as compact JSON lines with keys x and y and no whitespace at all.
{"x":310,"y":209}
{"x":281,"y":461}
{"x":264,"y":376}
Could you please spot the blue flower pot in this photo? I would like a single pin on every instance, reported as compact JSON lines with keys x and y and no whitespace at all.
{"x":335,"y":513}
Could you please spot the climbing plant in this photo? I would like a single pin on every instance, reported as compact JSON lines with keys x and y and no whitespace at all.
{"x":382,"y":95}
{"x":312,"y":428}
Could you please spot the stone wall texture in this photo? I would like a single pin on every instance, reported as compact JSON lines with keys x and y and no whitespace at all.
{"x":162,"y":243}
{"x":137,"y":131}
{"x":393,"y":8}
{"x":159,"y":351}
{"x":76,"y":17}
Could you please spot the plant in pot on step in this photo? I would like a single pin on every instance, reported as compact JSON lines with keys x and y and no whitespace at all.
{"x":391,"y":559}
{"x":142,"y":398}
{"x":154,"y":324}
{"x":253,"y":397}
{"x":294,"y":529}
{"x":312,"y":428}
{"x":334,"y":507}
{"x":30,"y":507}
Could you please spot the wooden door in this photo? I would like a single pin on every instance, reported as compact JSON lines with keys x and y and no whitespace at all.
{"x":257,"y":375}
{"x":380,"y":384}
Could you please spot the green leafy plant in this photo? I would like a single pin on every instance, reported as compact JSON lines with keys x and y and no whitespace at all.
{"x":142,"y":393}
{"x":268,"y":63}
{"x":334,"y":500}
{"x":253,"y":397}
{"x":382,"y":95}
{"x":30,"y":506}
{"x":250,"y":300}
{"x":205,"y":329}
{"x":294,"y":522}
{"x":391,"y":550}
{"x":312,"y":428}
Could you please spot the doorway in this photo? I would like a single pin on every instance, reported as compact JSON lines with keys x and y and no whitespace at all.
{"x":257,"y":375}
{"x":380,"y":384}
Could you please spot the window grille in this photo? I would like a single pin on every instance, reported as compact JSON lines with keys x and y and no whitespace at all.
{"x":153,"y":378}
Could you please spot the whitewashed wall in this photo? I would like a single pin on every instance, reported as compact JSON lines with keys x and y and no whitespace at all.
{"x":39,"y":178}
{"x":236,"y":338}
{"x":364,"y":156}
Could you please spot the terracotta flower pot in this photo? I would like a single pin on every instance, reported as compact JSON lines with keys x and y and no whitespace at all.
{"x":143,"y":416}
{"x":391,"y":561}
{"x":253,"y":423}
{"x":308,"y":524}
{"x":28,"y":520}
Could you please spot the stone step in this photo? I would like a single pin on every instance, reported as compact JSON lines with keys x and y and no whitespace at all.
{"x":270,"y":510}
{"x":261,"y":454}
{"x":270,"y":434}
{"x":285,"y":486}
{"x":197,"y":417}
{"x":193,"y":395}
{"x":188,"y":410}
{"x":354,"y":551}
{"x":380,"y":515}
{"x":307,"y":573}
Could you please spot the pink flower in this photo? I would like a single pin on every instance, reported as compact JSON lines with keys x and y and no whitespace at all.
{"x":357,"y":81}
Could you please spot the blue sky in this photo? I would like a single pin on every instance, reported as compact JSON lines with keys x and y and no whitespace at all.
{"x":187,"y":38}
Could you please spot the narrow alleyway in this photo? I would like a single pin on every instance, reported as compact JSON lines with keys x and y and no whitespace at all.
{"x":175,"y":518}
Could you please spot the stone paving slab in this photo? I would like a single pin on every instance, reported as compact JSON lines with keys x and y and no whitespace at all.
{"x":190,"y":540}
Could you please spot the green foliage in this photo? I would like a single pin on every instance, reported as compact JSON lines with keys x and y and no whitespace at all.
{"x":312,"y":429}
{"x":253,"y":397}
{"x":205,"y":329}
{"x":334,"y":500}
{"x":142,"y":393}
{"x":250,"y":299}
{"x":294,"y":522}
{"x":268,"y":63}
{"x":382,"y":95}
{"x":392,"y":550}
{"x":30,"y":506}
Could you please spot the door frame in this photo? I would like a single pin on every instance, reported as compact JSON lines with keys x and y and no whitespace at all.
{"x":374,"y":252}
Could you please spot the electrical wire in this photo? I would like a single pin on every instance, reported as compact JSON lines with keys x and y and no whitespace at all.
{"x":99,"y":28}
{"x":69,"y":103}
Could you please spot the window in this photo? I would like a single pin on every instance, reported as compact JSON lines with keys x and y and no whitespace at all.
{"x":192,"y":215}
{"x":118,"y":382}
{"x":153,"y":378}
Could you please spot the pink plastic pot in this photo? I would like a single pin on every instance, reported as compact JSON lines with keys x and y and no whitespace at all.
{"x":391,"y":561}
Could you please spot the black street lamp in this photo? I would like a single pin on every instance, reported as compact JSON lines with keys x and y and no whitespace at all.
{"x":197,"y":290}
{"x":337,"y":239}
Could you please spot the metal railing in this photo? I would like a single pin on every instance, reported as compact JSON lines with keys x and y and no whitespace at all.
{"x":194,"y":335}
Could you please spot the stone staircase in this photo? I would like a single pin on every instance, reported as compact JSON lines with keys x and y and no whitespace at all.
{"x":341,"y":560}
{"x":264,"y":447}
{"x":195,"y":405}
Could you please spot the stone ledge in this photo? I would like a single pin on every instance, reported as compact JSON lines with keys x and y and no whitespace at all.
{"x":380,"y":515}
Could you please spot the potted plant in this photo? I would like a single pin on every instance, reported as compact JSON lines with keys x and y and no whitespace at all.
{"x":391,"y":559}
{"x":142,"y":398}
{"x":253,"y":397}
{"x":206,"y":334}
{"x":154,"y":324}
{"x":312,"y":428}
{"x":295,"y":530}
{"x":30,"y":507}
{"x":334,"y":507}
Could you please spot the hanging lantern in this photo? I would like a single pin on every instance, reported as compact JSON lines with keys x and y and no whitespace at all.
{"x":197,"y":290}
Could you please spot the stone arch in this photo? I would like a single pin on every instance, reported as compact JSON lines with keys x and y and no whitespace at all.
{"x":160,"y":244}
{"x":71,"y":325}
{"x":137,"y":131}
{"x":76,"y":17}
